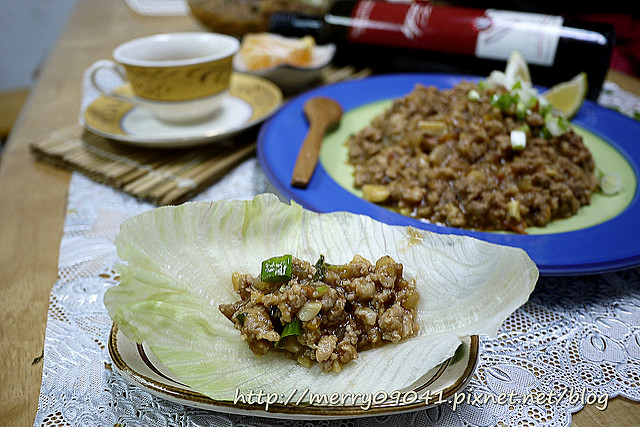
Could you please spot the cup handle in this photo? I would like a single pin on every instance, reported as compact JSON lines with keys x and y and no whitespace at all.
{"x":114,"y":67}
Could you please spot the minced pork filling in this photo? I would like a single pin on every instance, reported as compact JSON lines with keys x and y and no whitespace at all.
{"x":448,"y":158}
{"x":323,"y":313}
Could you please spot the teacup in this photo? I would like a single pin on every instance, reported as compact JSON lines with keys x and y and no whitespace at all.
{"x":178,"y":77}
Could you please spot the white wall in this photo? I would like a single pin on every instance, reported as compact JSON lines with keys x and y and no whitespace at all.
{"x":28,"y":31}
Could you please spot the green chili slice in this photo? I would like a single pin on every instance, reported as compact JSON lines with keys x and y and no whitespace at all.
{"x":293,"y":328}
{"x":277,"y":269}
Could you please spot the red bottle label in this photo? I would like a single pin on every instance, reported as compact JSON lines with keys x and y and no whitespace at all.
{"x":417,"y":25}
{"x":465,"y":31}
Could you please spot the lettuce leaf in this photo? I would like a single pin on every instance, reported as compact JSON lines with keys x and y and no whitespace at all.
{"x":176,"y":269}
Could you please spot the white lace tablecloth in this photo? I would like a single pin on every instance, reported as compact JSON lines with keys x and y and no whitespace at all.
{"x":577,"y":337}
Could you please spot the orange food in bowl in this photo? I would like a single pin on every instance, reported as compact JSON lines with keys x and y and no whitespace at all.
{"x":262,"y":51}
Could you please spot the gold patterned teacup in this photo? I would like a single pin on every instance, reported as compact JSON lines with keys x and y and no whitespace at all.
{"x":178,"y":77}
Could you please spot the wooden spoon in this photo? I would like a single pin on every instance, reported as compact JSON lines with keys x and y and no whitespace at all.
{"x":322,"y":113}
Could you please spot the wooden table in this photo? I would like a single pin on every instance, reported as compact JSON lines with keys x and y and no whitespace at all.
{"x":33,"y":202}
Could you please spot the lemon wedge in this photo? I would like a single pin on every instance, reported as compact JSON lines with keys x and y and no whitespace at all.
{"x":568,"y":96}
{"x":516,"y":69}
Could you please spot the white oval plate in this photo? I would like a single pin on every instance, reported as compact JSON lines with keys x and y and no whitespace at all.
{"x":138,"y":365}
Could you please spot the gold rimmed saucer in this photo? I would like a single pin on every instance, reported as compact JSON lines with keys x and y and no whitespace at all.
{"x":250,"y":100}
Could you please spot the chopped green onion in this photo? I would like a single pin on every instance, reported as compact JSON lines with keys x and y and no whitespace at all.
{"x":321,"y":269}
{"x":532,"y":102}
{"x":610,"y":184}
{"x":563,"y":122}
{"x":518,"y":140}
{"x":556,"y":125}
{"x":482,"y":85}
{"x":521,"y":110}
{"x":473,"y":95}
{"x":277,"y":269}
{"x":322,"y":289}
{"x":293,"y":328}
{"x":544,"y":133}
{"x":517,"y":85}
{"x":545,"y":106}
{"x":503,"y":101}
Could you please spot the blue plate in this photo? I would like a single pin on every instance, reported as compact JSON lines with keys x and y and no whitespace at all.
{"x":605,"y":244}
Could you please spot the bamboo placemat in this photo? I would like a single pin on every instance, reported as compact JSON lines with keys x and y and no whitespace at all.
{"x":160,"y":176}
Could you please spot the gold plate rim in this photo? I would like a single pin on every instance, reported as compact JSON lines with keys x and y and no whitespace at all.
{"x":182,"y":394}
{"x":103,"y":116}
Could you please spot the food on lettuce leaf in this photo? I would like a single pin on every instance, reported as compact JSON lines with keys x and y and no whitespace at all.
{"x":177,"y":261}
{"x":323,"y":313}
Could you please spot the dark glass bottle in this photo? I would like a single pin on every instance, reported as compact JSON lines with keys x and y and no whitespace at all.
{"x":425,"y":36}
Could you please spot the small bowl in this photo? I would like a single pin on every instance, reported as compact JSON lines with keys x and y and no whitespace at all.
{"x":292,"y":78}
{"x":240,"y":17}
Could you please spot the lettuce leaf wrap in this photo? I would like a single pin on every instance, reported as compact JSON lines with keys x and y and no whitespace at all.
{"x":176,"y":270}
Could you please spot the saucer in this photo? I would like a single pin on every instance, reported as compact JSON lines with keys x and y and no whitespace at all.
{"x":250,"y":100}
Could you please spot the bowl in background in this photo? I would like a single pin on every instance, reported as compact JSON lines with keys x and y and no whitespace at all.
{"x":240,"y":17}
